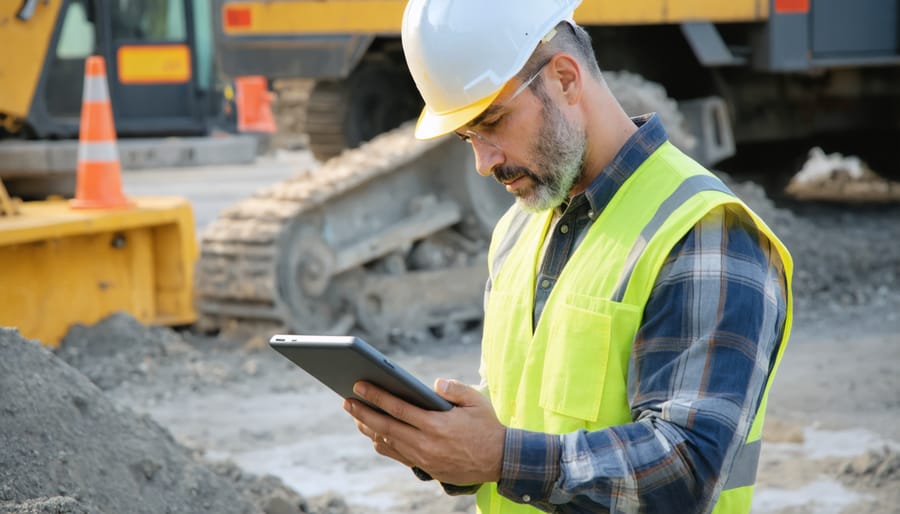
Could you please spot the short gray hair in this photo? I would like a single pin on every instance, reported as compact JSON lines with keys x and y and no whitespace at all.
{"x":571,"y":39}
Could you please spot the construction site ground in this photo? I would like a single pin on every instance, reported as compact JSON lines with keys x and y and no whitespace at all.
{"x":129,"y":418}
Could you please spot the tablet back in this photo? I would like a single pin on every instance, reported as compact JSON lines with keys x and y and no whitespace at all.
{"x":341,"y":361}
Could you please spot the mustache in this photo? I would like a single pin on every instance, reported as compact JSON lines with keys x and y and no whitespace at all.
{"x":508,"y":173}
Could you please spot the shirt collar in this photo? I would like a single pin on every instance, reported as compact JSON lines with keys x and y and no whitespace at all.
{"x":650,"y":135}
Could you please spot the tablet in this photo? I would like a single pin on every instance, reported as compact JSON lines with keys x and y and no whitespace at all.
{"x":340,"y":361}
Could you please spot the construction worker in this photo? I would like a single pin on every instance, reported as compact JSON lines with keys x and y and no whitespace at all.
{"x":636,"y":310}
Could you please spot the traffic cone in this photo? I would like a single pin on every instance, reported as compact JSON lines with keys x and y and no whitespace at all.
{"x":254,"y":105}
{"x":99,"y":180}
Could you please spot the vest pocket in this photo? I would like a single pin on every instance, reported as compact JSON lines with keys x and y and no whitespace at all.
{"x":580,"y":358}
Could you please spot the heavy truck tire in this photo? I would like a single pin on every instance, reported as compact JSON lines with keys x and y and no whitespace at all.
{"x":376,"y":97}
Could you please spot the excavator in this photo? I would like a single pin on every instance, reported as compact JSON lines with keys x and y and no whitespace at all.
{"x":59,"y":264}
{"x":388,"y":236}
{"x":62,"y":265}
{"x":166,"y":94}
{"x":781,"y":68}
{"x":389,"y":239}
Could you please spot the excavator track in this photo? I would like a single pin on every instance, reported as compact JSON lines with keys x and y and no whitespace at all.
{"x":383,"y":238}
{"x":324,"y":122}
{"x":379,"y":95}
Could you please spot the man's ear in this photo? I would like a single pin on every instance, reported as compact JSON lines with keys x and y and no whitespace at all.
{"x":567,"y":73}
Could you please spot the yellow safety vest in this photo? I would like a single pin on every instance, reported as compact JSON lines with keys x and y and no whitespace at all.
{"x":570,"y":372}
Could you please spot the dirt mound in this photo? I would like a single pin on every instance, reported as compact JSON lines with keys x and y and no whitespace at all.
{"x":120,"y":354}
{"x":268,"y":491}
{"x":839,"y":178}
{"x":54,"y":505}
{"x":843,"y":256}
{"x":118,"y":349}
{"x":876,"y":468}
{"x":68,"y":448}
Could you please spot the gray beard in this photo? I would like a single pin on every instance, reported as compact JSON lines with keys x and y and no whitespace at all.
{"x":560,"y":154}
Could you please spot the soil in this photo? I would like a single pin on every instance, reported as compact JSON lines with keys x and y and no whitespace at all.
{"x":129,"y":418}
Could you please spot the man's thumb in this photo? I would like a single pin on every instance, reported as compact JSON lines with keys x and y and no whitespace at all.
{"x":454,"y":391}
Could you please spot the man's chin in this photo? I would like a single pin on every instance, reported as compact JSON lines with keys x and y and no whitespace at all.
{"x":534,"y":204}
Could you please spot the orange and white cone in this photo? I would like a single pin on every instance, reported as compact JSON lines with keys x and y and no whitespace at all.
{"x":99,"y":180}
{"x":254,"y":105}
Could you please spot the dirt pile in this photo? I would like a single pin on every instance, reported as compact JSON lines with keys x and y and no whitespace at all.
{"x":835,"y":177}
{"x":844,"y":256}
{"x":69,"y":448}
{"x":118,"y":350}
{"x":132,"y":362}
{"x":876,"y":468}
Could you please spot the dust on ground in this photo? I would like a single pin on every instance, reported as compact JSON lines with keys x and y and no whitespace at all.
{"x":128,"y":418}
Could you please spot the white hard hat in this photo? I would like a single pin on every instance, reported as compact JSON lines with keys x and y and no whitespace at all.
{"x":462,"y":52}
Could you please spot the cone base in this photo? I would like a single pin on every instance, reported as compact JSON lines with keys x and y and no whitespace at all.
{"x":106,"y":203}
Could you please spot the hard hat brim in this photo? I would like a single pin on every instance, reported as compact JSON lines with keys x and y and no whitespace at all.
{"x":432,"y":124}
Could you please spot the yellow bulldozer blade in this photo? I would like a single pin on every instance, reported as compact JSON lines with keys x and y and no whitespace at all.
{"x":60,"y":266}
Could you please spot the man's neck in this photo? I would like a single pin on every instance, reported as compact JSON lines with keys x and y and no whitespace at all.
{"x":608,"y":128}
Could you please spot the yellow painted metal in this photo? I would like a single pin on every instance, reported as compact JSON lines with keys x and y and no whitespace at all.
{"x":8,"y":206}
{"x":154,"y":64}
{"x":265,"y":17}
{"x":643,"y":12}
{"x":60,"y":266}
{"x":23,"y":46}
{"x":293,"y":17}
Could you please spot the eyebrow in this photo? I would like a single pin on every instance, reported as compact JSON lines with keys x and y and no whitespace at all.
{"x":492,"y":109}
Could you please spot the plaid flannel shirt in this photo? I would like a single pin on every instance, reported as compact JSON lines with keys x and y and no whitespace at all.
{"x":697,"y":371}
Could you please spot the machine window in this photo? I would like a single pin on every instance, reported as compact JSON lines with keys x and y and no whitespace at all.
{"x":76,"y":37}
{"x":148,"y":20}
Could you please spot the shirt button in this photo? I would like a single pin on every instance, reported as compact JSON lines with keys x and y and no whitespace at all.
{"x":591,"y":214}
{"x":564,"y":229}
{"x":545,"y":283}
{"x":526,"y":498}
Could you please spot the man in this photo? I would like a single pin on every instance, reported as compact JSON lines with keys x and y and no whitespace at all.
{"x":635,"y":310}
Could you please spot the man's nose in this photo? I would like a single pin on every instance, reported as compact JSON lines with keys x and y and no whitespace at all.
{"x":487,"y":157}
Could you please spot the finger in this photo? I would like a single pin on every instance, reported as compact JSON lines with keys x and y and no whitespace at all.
{"x":379,"y":423}
{"x":384,"y":447}
{"x":458,"y":393}
{"x":389,"y":403}
{"x":365,"y":430}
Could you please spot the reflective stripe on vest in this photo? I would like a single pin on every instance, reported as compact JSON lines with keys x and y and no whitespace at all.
{"x":599,"y":297}
{"x":687,"y":189}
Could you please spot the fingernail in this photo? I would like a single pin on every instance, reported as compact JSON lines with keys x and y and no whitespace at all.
{"x":443,"y":385}
{"x":359,"y":389}
{"x":348,"y":406}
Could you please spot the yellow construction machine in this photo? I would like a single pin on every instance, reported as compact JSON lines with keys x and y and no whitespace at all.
{"x":740,"y":70}
{"x":60,"y":265}
{"x":388,"y":238}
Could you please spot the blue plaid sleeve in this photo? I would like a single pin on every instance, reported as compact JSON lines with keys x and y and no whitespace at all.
{"x":697,"y":372}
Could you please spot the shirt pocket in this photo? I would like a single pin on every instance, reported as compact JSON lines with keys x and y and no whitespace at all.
{"x":580,"y":358}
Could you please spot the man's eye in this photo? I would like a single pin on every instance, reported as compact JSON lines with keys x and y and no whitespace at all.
{"x":492,"y":123}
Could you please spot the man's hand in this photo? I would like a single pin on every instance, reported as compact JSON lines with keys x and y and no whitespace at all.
{"x":461,"y":446}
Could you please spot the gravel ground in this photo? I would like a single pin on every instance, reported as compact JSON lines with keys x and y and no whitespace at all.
{"x":128,"y":418}
{"x":845,"y":256}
